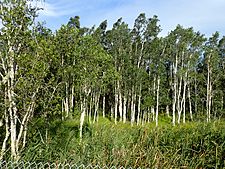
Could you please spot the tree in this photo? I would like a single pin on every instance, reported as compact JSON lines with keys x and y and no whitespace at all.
{"x":153,"y":52}
{"x":22,"y":72}
{"x":117,"y":43}
{"x":66,"y":48}
{"x":184,"y":50}
{"x":211,"y":58}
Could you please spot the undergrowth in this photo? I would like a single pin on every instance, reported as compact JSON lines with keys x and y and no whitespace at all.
{"x":190,"y":145}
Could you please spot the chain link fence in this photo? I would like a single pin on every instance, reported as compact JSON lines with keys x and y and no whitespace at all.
{"x":40,"y":165}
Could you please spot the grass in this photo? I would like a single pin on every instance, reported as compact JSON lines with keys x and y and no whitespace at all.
{"x":190,"y":145}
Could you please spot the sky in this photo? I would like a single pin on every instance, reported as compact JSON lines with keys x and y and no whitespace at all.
{"x":206,"y":16}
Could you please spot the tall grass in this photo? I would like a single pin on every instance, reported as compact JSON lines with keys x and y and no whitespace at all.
{"x":192,"y":145}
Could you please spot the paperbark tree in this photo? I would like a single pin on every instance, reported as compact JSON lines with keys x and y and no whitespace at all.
{"x":185,"y":49}
{"x":212,"y":61}
{"x":20,"y":67}
{"x":118,"y":42}
{"x":92,"y":62}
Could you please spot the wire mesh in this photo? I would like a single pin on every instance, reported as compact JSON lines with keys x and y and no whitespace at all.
{"x":47,"y":165}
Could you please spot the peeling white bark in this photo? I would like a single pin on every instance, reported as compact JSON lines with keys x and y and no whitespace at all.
{"x":124,"y":109}
{"x":6,"y":135}
{"x":116,"y":104}
{"x":209,"y":89}
{"x":103,"y":106}
{"x":97,"y":96}
{"x":175,"y":90}
{"x":83,"y":112}
{"x":190,"y":104}
{"x":120,"y":105}
{"x":157,"y":101}
{"x":139,"y":106}
{"x":133,"y":105}
{"x":167,"y":110}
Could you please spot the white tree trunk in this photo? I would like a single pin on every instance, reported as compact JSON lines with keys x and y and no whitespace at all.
{"x":97,"y":96}
{"x":139,"y":106}
{"x":72,"y":99}
{"x":133,"y":106}
{"x":153,"y":113}
{"x":83,"y":112}
{"x":12,"y":109}
{"x":66,"y":103}
{"x":90,"y":109}
{"x":190,"y":106}
{"x":148,"y":115}
{"x":112,"y":112}
{"x":23,"y":126}
{"x":83,"y":108}
{"x":120,"y":105}
{"x":184,"y":98}
{"x":179,"y":102}
{"x":140,"y":55}
{"x":103,"y":106}
{"x":124,"y":109}
{"x":7,"y":134}
{"x":116,"y":104}
{"x":175,"y":90}
{"x":62,"y":109}
{"x":208,"y":101}
{"x":167,"y":110}
{"x":95,"y":107}
{"x":222,"y":102}
{"x":196,"y":104}
{"x":157,"y":101}
{"x":153,"y":106}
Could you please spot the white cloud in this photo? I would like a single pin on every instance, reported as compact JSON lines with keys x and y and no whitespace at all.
{"x":53,"y":9}
{"x":207,"y":16}
{"x":49,"y":10}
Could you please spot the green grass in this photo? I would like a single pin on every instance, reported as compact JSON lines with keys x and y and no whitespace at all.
{"x":190,"y":145}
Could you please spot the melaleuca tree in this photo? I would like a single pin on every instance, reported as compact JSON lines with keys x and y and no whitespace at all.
{"x":22,"y":72}
{"x":82,"y":71}
{"x":74,"y":22}
{"x":176,"y":50}
{"x":66,"y":44}
{"x":221,"y":89}
{"x":92,"y":62}
{"x":117,"y":44}
{"x":151,"y":59}
{"x":184,"y":49}
{"x":212,"y":75}
{"x":159,"y":69}
{"x":137,"y":33}
{"x":194,"y":46}
{"x":49,"y":102}
{"x":100,"y":36}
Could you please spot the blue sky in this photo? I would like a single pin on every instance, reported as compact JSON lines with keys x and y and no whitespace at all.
{"x":206,"y":16}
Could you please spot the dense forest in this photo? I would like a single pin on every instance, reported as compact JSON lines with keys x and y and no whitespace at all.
{"x":125,"y":83}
